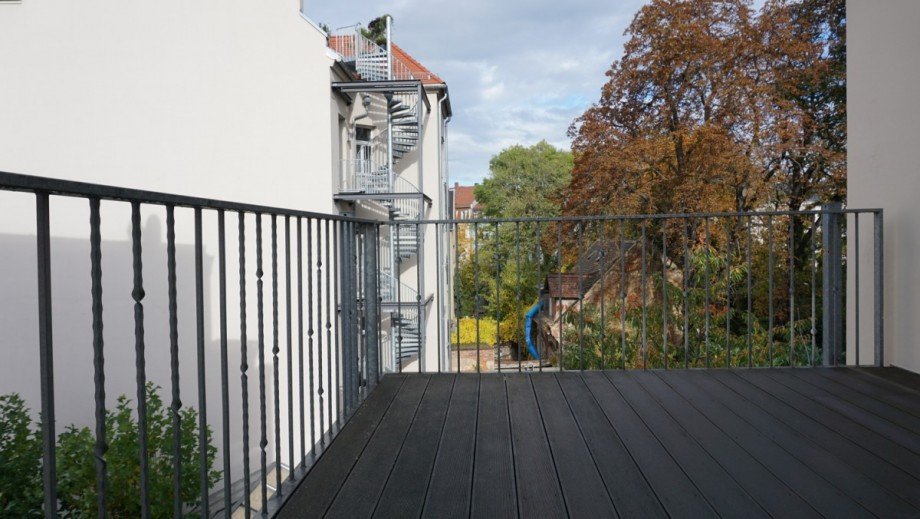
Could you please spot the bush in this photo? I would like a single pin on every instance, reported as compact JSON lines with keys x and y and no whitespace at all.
{"x":20,"y":458}
{"x":488,"y":332}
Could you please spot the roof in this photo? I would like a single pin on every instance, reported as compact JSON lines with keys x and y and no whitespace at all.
{"x":572,"y":285}
{"x":418,"y":70}
{"x":464,"y":196}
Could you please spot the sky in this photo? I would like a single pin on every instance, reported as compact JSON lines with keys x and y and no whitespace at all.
{"x":518,"y":71}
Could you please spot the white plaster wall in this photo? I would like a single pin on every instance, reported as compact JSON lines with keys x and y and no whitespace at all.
{"x":884,"y":169}
{"x":222,"y":99}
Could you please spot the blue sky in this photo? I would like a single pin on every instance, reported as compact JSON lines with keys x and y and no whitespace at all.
{"x":518,"y":71}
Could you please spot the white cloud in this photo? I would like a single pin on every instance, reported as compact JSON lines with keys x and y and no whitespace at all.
{"x":519,"y":71}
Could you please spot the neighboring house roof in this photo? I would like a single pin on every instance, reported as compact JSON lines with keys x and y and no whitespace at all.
{"x":565,"y":286}
{"x":464,"y":196}
{"x":418,"y":70}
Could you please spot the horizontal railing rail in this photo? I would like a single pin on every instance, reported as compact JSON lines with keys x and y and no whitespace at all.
{"x":312,"y":337}
{"x":658,"y":291}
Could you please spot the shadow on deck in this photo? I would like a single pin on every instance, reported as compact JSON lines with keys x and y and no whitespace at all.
{"x":782,"y":442}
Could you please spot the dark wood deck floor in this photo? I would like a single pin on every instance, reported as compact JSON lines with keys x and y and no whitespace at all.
{"x":752,"y":443}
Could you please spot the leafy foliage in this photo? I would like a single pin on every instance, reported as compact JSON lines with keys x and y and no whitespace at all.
{"x":20,"y":456}
{"x":20,"y":460}
{"x":376,"y":30}
{"x":715,"y":107}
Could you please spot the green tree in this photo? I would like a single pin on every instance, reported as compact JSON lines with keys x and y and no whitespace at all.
{"x":20,"y":460}
{"x":525,"y":181}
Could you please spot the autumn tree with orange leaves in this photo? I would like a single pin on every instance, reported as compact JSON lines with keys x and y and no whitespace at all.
{"x":716,"y":107}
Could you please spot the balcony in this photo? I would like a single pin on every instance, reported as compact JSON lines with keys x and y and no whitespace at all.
{"x":680,"y":365}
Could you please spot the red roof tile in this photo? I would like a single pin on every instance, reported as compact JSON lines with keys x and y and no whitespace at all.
{"x":464,"y":196}
{"x":417,"y":69}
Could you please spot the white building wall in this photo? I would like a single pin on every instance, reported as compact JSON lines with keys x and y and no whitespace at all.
{"x":884,"y":171}
{"x":221,"y":99}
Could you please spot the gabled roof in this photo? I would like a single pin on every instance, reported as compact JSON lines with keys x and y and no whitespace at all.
{"x":464,"y":196}
{"x":418,"y":70}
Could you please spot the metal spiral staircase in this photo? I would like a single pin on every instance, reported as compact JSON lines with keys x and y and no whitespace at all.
{"x":377,"y":179}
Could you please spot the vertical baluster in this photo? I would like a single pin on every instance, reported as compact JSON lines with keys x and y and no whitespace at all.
{"x":686,"y":283}
{"x":176,"y":404}
{"x":581,"y":297}
{"x":46,"y":353}
{"x":289,"y":350}
{"x":396,"y":287}
{"x":706,"y":285}
{"x":224,"y":365}
{"x":750,"y":238}
{"x":419,"y":287}
{"x":310,"y":331}
{"x":792,"y":290}
{"x":476,"y":289}
{"x":300,"y":365}
{"x":456,"y":227}
{"x":99,"y":447}
{"x":244,"y":366}
{"x":664,"y":291}
{"x":337,"y":238}
{"x":644,"y":300}
{"x":728,"y":290}
{"x":858,"y":285}
{"x":622,"y":295}
{"x":558,"y":301}
{"x":137,"y":294}
{"x":319,"y":333}
{"x":603,"y":270}
{"x":517,"y":305}
{"x":276,"y":369}
{"x":498,"y":266}
{"x":770,"y":286}
{"x":203,"y":465}
{"x":814,"y":280}
{"x":372,"y":290}
{"x":440,"y":293}
{"x":329,"y":359}
{"x":879,"y":287}
{"x":263,"y":427}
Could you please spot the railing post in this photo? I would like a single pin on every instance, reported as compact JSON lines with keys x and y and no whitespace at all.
{"x":45,"y":355}
{"x":832,"y":294}
{"x":371,"y":300}
{"x":879,"y":289}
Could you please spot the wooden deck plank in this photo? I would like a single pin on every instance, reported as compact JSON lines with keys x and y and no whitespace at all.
{"x":361,"y":490}
{"x":879,"y":388}
{"x":404,"y":493}
{"x":678,"y":443}
{"x":855,"y":431}
{"x":493,"y":469}
{"x":719,"y":488}
{"x":674,"y":489}
{"x":844,"y":389}
{"x":877,"y":468}
{"x":765,"y":487}
{"x":829,"y":483}
{"x":899,"y":376}
{"x":449,"y":487}
{"x":538,"y":490}
{"x":584,"y":490}
{"x":631,"y":493}
{"x":322,"y":483}
{"x":894,"y":432}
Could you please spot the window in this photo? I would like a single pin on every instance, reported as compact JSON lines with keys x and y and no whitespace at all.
{"x":362,"y":149}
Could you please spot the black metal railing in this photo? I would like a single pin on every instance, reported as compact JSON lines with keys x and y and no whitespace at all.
{"x":327,"y":295}
{"x":718,"y":290}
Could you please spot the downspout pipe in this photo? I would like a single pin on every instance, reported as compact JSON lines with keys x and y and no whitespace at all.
{"x":528,"y":328}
